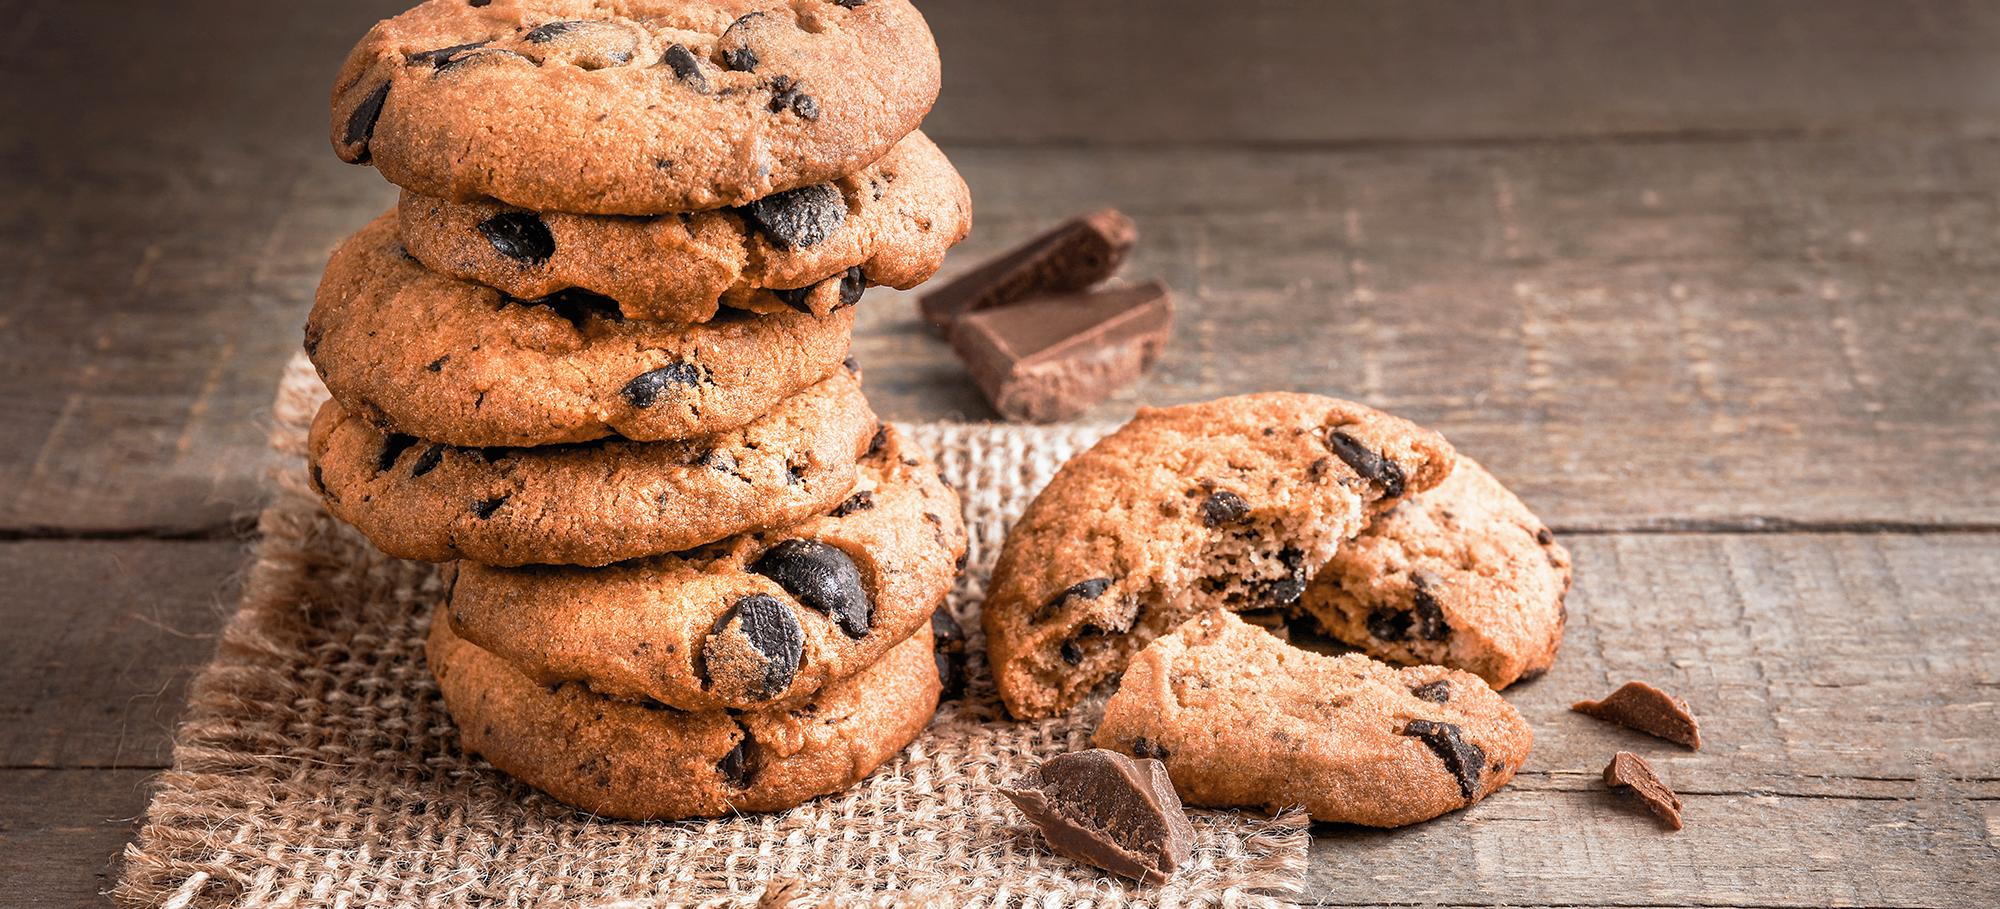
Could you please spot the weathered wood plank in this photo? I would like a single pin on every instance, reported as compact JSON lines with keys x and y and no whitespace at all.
{"x":1301,"y":71}
{"x":62,"y":831}
{"x":101,"y":640}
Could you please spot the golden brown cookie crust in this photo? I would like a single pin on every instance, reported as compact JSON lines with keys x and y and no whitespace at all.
{"x":1463,"y":576}
{"x":657,"y":629}
{"x":1242,"y":719}
{"x":594,"y":503}
{"x":587,"y":106}
{"x":1235,"y":502}
{"x":458,"y":362}
{"x":895,"y":221}
{"x":626,"y":759}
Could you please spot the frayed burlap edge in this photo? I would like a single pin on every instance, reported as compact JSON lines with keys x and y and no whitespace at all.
{"x":315,"y":766}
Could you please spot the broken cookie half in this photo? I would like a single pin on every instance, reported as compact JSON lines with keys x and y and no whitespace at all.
{"x":1109,"y":811}
{"x":1242,"y":719}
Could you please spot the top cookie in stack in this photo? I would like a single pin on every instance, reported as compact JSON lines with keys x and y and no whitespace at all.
{"x":607,"y":326}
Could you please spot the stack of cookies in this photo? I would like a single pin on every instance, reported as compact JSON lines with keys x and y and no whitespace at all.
{"x":598,"y":358}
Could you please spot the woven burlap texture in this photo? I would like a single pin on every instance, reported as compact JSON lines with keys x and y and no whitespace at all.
{"x":317,"y":767}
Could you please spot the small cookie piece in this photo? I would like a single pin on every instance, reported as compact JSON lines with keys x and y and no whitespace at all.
{"x":597,"y":502}
{"x":630,"y":759}
{"x":1075,"y":255}
{"x":1242,"y":719}
{"x":1233,"y":502}
{"x":751,"y":620}
{"x":1628,"y":770}
{"x":1637,"y":705}
{"x":1109,"y":811}
{"x":632,"y":107}
{"x":891,"y":224}
{"x":458,"y":362}
{"x":1463,"y":576}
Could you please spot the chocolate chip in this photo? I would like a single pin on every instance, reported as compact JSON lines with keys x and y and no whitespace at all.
{"x":392,"y":448}
{"x":1147,"y":748}
{"x":1286,"y":590}
{"x":477,"y":3}
{"x":740,"y":59}
{"x":849,"y":4}
{"x":853,"y":283}
{"x":1224,"y":507}
{"x":1544,"y":536}
{"x":427,"y":461}
{"x":1371,"y":466}
{"x":1424,"y":619}
{"x":799,"y":218}
{"x":437,"y":365}
{"x":785,"y":95}
{"x":1464,"y":759}
{"x":686,"y":67}
{"x":436,"y":58}
{"x":860,"y":501}
{"x":577,"y":306}
{"x":361,"y":122}
{"x":1081,"y":590}
{"x":545,"y":33}
{"x":485,"y":508}
{"x":878,"y":440}
{"x":735,"y":766}
{"x":736,"y":52}
{"x":824,"y":577}
{"x":648,"y":388}
{"x":1104,"y":809}
{"x":1072,"y":651}
{"x":950,"y":654}
{"x":949,"y":634}
{"x":519,"y":235}
{"x":772,"y":632}
{"x":1437,"y":692}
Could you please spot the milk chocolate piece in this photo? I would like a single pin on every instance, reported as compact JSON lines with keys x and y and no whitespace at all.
{"x":1076,"y":255}
{"x":1051,"y":358}
{"x":1645,"y":708}
{"x":1107,"y":810}
{"x":1630,"y":770}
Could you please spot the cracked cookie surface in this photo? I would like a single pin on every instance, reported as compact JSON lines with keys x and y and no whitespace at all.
{"x":1242,"y":719}
{"x":1463,"y":576}
{"x":454,"y":361}
{"x":641,"y":761}
{"x":595,"y":502}
{"x":1233,"y":502}
{"x":813,"y":249}
{"x":632,"y":107}
{"x":746,"y":622}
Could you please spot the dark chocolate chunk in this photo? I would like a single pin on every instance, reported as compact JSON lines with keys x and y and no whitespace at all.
{"x":772,"y":634}
{"x":876,"y":441}
{"x":1424,"y":619}
{"x":1224,"y":507}
{"x":436,"y":58}
{"x":484,"y":508}
{"x":1108,"y":811}
{"x":1371,"y":466}
{"x":361,"y":124}
{"x":1464,"y":759}
{"x":650,"y":387}
{"x":1052,"y":358}
{"x":437,"y":365}
{"x":950,"y":654}
{"x":736,"y":52}
{"x":519,"y":235}
{"x":860,"y":501}
{"x":477,"y":3}
{"x":686,"y":67}
{"x":1544,"y":536}
{"x":799,"y":218}
{"x":849,"y":4}
{"x":1437,"y":692}
{"x":393,"y":447}
{"x":543,"y":34}
{"x":1628,"y":770}
{"x":578,"y":306}
{"x":1147,"y":748}
{"x":1074,"y":256}
{"x":1637,"y":705}
{"x":427,"y":461}
{"x":1081,"y":590}
{"x":740,"y":59}
{"x":735,"y":766}
{"x":824,"y":577}
{"x":785,"y":95}
{"x":853,"y":283}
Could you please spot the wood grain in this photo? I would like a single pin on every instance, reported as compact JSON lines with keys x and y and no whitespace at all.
{"x":61,"y":832}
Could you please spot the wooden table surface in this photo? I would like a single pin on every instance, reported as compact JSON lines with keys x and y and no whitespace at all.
{"x":1715,"y":286}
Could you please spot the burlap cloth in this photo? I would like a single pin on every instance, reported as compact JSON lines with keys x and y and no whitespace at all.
{"x":316,"y":766}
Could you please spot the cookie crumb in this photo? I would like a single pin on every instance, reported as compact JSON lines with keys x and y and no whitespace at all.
{"x":1647,"y":709}
{"x":1630,"y":771}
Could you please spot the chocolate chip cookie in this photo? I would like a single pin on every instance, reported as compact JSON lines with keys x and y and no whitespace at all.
{"x":1234,"y":502}
{"x":632,"y":759}
{"x":1463,"y":576}
{"x":752,"y":620}
{"x":595,"y":502}
{"x":458,"y":362}
{"x":632,"y":107}
{"x":812,"y":249}
{"x":1242,"y":719}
